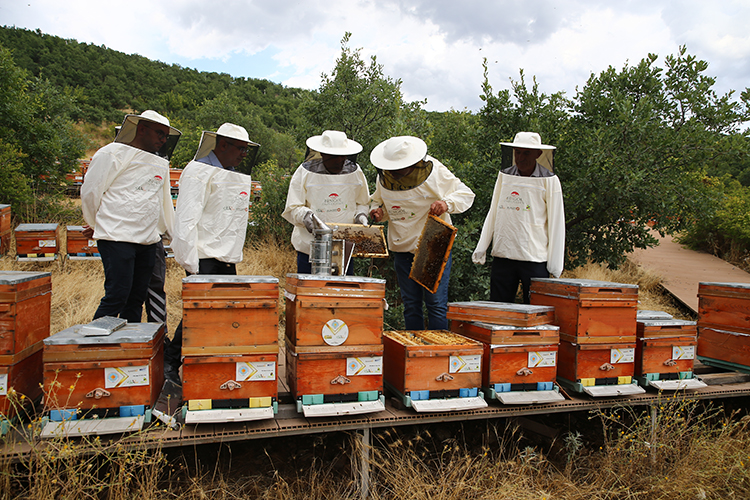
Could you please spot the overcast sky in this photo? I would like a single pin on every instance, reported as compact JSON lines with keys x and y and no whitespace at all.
{"x":435,"y":47}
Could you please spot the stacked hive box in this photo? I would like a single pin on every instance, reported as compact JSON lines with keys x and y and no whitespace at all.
{"x":80,"y":247}
{"x":597,"y":321}
{"x":4,"y":229}
{"x":37,"y":242}
{"x":665,"y":353}
{"x":25,"y":299}
{"x":434,"y":370}
{"x":520,"y":348}
{"x":724,"y":325}
{"x":230,"y":328}
{"x":114,"y":378}
{"x":334,"y":343}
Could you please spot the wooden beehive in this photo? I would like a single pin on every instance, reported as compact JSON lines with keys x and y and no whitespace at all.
{"x":37,"y":240}
{"x":521,"y":356}
{"x":22,"y":373}
{"x":334,"y":310}
{"x":438,"y":361}
{"x":338,"y":374}
{"x":78,"y":245}
{"x":501,"y":313}
{"x":232,"y":379}
{"x":729,"y":347}
{"x":599,"y":363}
{"x":432,"y":253}
{"x":724,"y":306}
{"x":5,"y":231}
{"x":226,"y":314}
{"x":174,"y":178}
{"x":590,"y":311}
{"x":25,"y":303}
{"x":124,"y":368}
{"x":665,"y":347}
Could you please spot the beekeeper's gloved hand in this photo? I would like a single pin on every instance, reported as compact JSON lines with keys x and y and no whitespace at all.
{"x":361,"y":218}
{"x":478,"y":257}
{"x":308,"y":221}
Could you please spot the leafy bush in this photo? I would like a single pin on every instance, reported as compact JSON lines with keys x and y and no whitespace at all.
{"x":265,"y":217}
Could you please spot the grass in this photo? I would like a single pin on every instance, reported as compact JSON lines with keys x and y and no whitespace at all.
{"x":682,"y":450}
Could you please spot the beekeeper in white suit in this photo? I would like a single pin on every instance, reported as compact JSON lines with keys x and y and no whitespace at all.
{"x":127,"y":205}
{"x":211,"y":216}
{"x":411,"y":186}
{"x":525,"y":222}
{"x":328,"y":184}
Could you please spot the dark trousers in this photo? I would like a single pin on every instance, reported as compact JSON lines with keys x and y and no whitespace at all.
{"x":173,"y":348}
{"x":127,"y":271}
{"x":507,"y":273}
{"x":413,"y":295}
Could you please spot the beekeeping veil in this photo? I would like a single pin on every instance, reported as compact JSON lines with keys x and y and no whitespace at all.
{"x":528,"y":140}
{"x":126,"y":132}
{"x":230,"y":131}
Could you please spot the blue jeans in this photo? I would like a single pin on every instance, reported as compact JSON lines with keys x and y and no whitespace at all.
{"x":127,"y":272}
{"x":413,"y":295}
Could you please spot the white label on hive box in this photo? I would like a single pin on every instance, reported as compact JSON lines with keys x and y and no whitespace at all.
{"x":92,"y":243}
{"x":335,"y":332}
{"x":466,"y":364}
{"x":125,"y":376}
{"x":622,"y":355}
{"x":683,"y":352}
{"x":47,"y":243}
{"x":4,"y":384}
{"x":540,"y":359}
{"x":256,"y":371}
{"x":366,"y":365}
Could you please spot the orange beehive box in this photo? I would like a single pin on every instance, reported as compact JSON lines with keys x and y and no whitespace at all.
{"x":124,"y":368}
{"x":78,"y":245}
{"x":334,"y":310}
{"x":731,"y":348}
{"x":338,"y":374}
{"x":232,"y":379}
{"x":5,"y":231}
{"x":507,"y":334}
{"x":437,"y":361}
{"x":520,"y":356}
{"x":23,"y":373}
{"x":25,"y":301}
{"x":174,"y":177}
{"x":226,"y":314}
{"x":665,"y":347}
{"x":37,"y":240}
{"x":725,"y":306}
{"x":501,"y":313}
{"x":591,"y":311}
{"x":596,"y":364}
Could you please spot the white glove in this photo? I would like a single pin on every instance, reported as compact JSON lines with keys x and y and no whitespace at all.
{"x":308,"y":221}
{"x":478,"y":257}
{"x":361,"y":219}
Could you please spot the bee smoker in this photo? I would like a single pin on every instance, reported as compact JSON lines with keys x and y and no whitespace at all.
{"x":321,"y":248}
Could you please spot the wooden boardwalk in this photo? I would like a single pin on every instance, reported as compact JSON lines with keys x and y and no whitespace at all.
{"x":682,"y":269}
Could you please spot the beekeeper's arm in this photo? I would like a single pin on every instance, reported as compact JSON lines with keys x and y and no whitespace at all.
{"x":377,"y":212}
{"x":485,"y":239}
{"x":362,"y":200}
{"x":166,"y":218}
{"x":555,"y":228}
{"x":102,"y":171}
{"x":191,"y":202}
{"x":297,"y":208}
{"x":457,"y":195}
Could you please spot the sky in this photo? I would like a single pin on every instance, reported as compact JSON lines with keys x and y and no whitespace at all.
{"x":435,"y":47}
